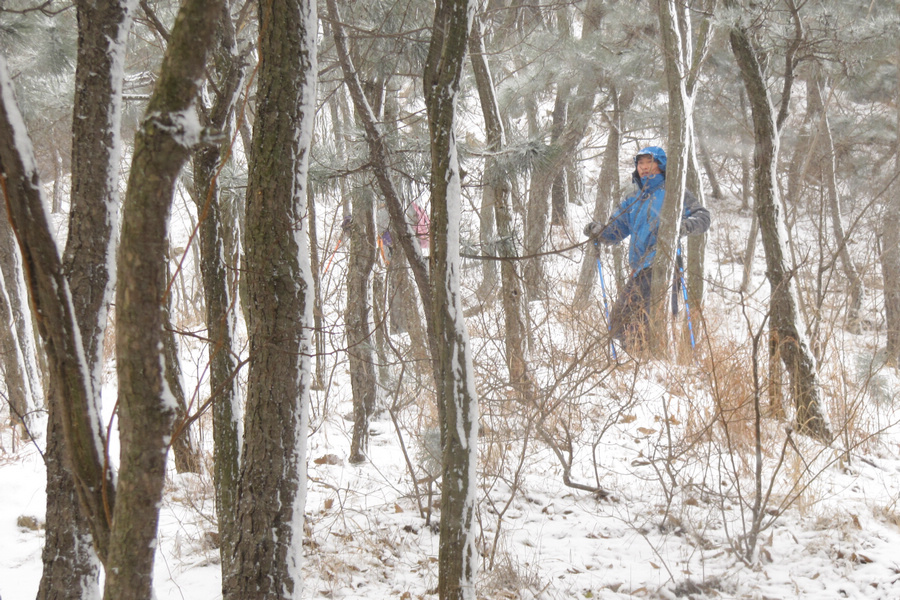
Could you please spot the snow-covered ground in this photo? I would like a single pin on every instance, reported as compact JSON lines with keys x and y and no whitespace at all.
{"x":673,"y":445}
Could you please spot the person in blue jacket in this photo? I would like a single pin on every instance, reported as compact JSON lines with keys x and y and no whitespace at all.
{"x":638,"y":218}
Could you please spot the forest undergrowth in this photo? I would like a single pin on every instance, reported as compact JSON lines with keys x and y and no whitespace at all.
{"x":614,"y":477}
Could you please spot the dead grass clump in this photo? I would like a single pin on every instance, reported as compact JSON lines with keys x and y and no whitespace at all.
{"x":508,"y":579}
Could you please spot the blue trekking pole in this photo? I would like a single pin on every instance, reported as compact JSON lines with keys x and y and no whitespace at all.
{"x":687,"y":309}
{"x":612,"y":345}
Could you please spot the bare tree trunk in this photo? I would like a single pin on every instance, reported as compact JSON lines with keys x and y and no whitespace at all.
{"x":87,"y":263}
{"x":607,"y":191}
{"x":218,"y":230}
{"x":184,"y":447}
{"x":557,"y":156}
{"x":695,"y":264}
{"x":497,"y":185}
{"x":12,"y":365}
{"x":457,"y":398}
{"x":359,"y":323}
{"x":890,"y":260}
{"x":272,"y":492}
{"x":746,"y":180}
{"x":318,"y":306}
{"x":20,"y":359}
{"x":680,"y":133}
{"x":71,"y":567}
{"x":378,"y":156}
{"x":146,"y":412}
{"x":857,"y":289}
{"x":705,"y":159}
{"x":68,"y":361}
{"x":793,"y":346}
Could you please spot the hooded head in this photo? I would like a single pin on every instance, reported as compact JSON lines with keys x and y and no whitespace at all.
{"x":654,"y":152}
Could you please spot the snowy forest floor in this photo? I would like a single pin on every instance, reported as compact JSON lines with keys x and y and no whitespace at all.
{"x":673,"y":445}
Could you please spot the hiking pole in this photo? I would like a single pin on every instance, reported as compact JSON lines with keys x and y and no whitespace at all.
{"x":687,"y":308}
{"x":612,"y":344}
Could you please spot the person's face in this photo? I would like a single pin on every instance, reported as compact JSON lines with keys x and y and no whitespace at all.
{"x":646,"y":166}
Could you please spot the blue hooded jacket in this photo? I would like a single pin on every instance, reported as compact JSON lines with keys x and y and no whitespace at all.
{"x":638,"y":215}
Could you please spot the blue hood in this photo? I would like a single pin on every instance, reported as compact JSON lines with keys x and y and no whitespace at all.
{"x":657,"y":153}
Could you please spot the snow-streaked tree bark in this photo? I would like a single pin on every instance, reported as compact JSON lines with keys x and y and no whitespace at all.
{"x":218,"y":271}
{"x":52,"y":299}
{"x":272,"y":491}
{"x":20,"y":364}
{"x":785,"y":318}
{"x":163,"y":143}
{"x":88,"y":264}
{"x":457,"y":397}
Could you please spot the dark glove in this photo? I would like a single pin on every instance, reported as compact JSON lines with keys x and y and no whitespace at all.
{"x":593,"y":229}
{"x":685,"y":229}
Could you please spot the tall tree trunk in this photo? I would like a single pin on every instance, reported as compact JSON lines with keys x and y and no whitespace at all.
{"x":379,"y":158}
{"x":496,"y":187}
{"x":21,"y":367}
{"x":557,"y":156}
{"x":890,"y":258}
{"x":677,"y":51}
{"x":457,"y":397}
{"x":607,"y":191}
{"x":87,"y":263}
{"x":18,"y":396}
{"x":218,"y":271}
{"x":146,"y":409}
{"x":359,"y":322}
{"x":71,"y":566}
{"x":793,"y":345}
{"x":695,"y":264}
{"x":272,"y":492}
{"x":829,"y":175}
{"x":67,"y":360}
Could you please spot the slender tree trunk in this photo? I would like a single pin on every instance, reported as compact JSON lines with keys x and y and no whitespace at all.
{"x":272,"y":492}
{"x":695,"y":263}
{"x":218,"y":227}
{"x":379,"y":158}
{"x":146,"y":409}
{"x":68,"y":365}
{"x":21,"y":367}
{"x":677,"y":50}
{"x":557,"y":156}
{"x":318,"y":306}
{"x":607,"y":191}
{"x":792,"y":343}
{"x":496,"y":185}
{"x":359,"y":323}
{"x":88,"y":261}
{"x":184,"y":447}
{"x":706,"y":161}
{"x":457,"y":397}
{"x":890,"y":259}
{"x":18,"y":395}
{"x":746,"y":179}
{"x":857,"y":289}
